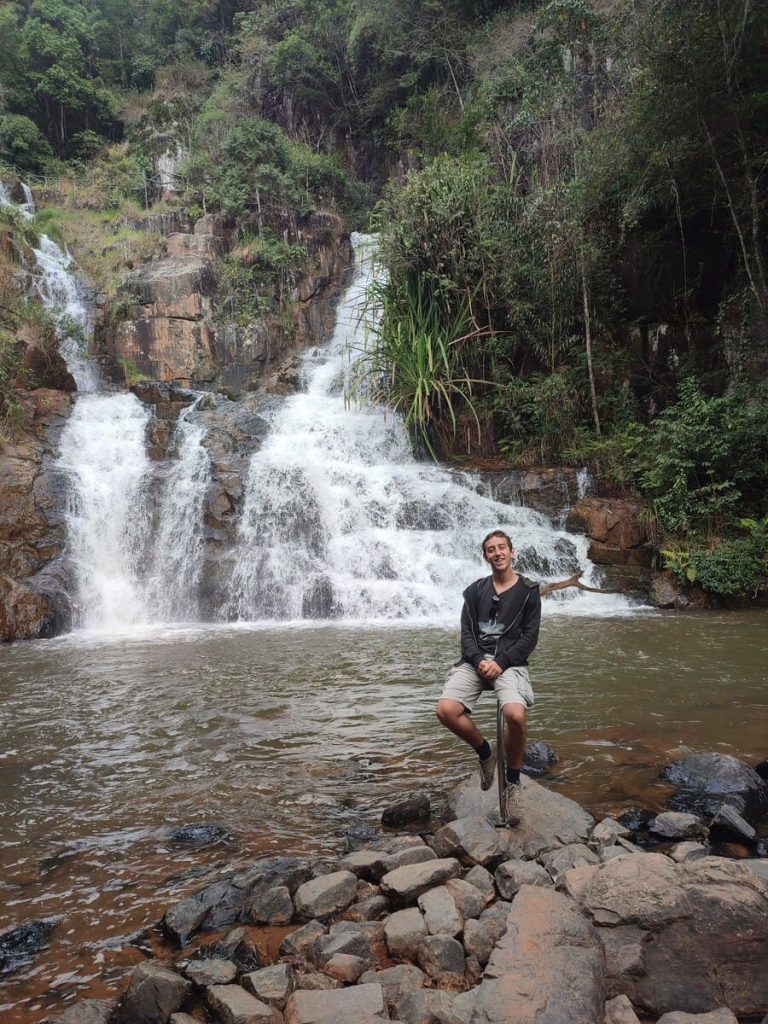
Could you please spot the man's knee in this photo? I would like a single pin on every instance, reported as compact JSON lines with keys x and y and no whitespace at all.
{"x":514,"y":715}
{"x":448,"y":710}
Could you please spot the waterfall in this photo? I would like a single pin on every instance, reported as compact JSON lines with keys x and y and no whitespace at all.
{"x":340,"y":520}
{"x":176,"y":563}
{"x":104,"y":455}
{"x":61,"y":292}
{"x":131,"y":566}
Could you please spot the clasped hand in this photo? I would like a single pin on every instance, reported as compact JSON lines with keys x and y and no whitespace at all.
{"x":489,"y":669}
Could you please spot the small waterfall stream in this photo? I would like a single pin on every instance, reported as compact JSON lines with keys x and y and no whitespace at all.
{"x":177,"y":551}
{"x":127,"y":572}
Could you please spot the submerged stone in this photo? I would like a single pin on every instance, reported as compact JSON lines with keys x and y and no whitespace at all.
{"x":20,"y":945}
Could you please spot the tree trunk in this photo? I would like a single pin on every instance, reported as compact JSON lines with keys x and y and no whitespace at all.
{"x":588,"y":338}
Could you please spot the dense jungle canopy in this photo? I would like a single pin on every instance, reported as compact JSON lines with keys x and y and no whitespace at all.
{"x":571,"y":197}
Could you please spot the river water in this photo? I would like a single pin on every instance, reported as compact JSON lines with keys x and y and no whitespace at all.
{"x":295,"y":736}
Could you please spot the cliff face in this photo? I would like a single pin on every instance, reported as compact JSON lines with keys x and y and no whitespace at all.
{"x":32,"y":532}
{"x":176,"y":330}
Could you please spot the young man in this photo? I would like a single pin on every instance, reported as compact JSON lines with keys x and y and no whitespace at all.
{"x":499,"y":629}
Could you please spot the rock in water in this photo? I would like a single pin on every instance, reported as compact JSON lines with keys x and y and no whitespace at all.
{"x":20,"y":945}
{"x":415,"y":807}
{"x":199,"y":835}
{"x":538,"y":757}
{"x":707,"y":781}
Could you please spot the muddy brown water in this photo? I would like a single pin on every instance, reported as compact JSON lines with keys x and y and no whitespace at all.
{"x":294,"y":739}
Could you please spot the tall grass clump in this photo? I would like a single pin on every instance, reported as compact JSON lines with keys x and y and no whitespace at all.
{"x":412,"y":360}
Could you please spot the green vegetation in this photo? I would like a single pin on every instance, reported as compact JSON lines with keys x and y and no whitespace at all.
{"x":257,"y":275}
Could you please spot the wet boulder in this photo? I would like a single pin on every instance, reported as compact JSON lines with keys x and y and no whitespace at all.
{"x":706,"y":781}
{"x":729,"y":826}
{"x":199,"y":836}
{"x":676,"y":825}
{"x":538,"y":758}
{"x":414,"y":808}
{"x":20,"y":945}
{"x":228,"y":899}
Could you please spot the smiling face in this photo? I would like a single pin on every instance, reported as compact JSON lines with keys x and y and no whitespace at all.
{"x":498,"y":553}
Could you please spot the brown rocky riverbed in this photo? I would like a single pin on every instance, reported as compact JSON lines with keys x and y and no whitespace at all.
{"x":470,"y":922}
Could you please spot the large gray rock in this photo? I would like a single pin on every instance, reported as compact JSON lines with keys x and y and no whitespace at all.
{"x":343,"y":1006}
{"x":708,"y":925}
{"x":351,"y":943}
{"x":441,"y":915}
{"x":403,"y":931}
{"x":325,"y":895}
{"x":575,"y":855}
{"x":642,"y":889}
{"x":411,"y":855}
{"x":153,"y":994}
{"x":513,"y":874}
{"x":231,"y":1004}
{"x":479,"y":939}
{"x":87,"y":1011}
{"x":345,"y":967}
{"x":299,"y":943}
{"x":549,"y":819}
{"x":469,"y":900}
{"x":228,"y":899}
{"x":676,"y":825}
{"x":406,"y":884}
{"x":427,"y":1007}
{"x":729,"y":826}
{"x":547,"y":969}
{"x":624,"y":954}
{"x":471,"y":840}
{"x":396,"y":982}
{"x":415,"y":807}
{"x":368,"y":864}
{"x":441,"y":957}
{"x":606,"y":832}
{"x":271,"y":984}
{"x":482,"y":879}
{"x":272,"y":907}
{"x":620,"y":1011}
{"x":210,"y":972}
{"x":721,"y":1016}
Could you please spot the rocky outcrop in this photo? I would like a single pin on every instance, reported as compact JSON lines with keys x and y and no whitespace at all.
{"x":619,"y":540}
{"x":174,"y":330}
{"x":551,"y":490}
{"x":33,"y":602}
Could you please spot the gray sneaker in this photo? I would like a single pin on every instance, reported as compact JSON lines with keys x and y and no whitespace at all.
{"x":487,"y":768}
{"x":513,"y":803}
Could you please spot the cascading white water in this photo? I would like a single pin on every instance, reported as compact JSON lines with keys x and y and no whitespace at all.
{"x":340,"y":520}
{"x":126,"y":572}
{"x":177,"y":553}
{"x":103,"y":453}
{"x":61,"y":292}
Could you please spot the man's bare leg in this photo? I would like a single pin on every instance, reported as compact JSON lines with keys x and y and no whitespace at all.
{"x":453,"y":715}
{"x":515,"y":734}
